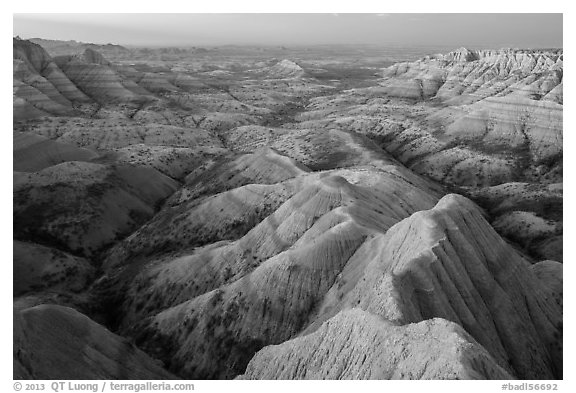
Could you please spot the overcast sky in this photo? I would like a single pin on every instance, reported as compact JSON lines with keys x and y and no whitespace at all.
{"x":470,"y":30}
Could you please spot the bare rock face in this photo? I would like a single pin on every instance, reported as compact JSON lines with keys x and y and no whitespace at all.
{"x":229,"y":215}
{"x":356,"y":344}
{"x":475,"y":120}
{"x":58,"y":47}
{"x":507,"y":98}
{"x":55,"y":342}
{"x":467,"y":76}
{"x":33,"y":67}
{"x":32,"y":54}
{"x":156,"y":83}
{"x":94,"y":76}
{"x":446,"y":263}
{"x":513,"y":121}
{"x":268,"y":282}
{"x":255,"y":219}
{"x":92,"y":57}
{"x":35,"y":96}
{"x":449,"y":263}
{"x":285,"y":69}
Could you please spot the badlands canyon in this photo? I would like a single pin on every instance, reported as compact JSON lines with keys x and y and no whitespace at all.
{"x":286,"y":213}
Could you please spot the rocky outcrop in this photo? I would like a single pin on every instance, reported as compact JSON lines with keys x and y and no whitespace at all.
{"x":262,"y":288}
{"x":297,"y":245}
{"x":34,"y":67}
{"x":464,"y":77}
{"x":54,"y":85}
{"x":55,"y":342}
{"x":513,"y":122}
{"x":475,"y":120}
{"x":90,"y":56}
{"x":284,"y":69}
{"x":30,"y":102}
{"x":505,"y":98}
{"x":446,"y":263}
{"x":71,"y":47}
{"x":156,"y":83}
{"x":94,"y":76}
{"x":358,"y":345}
{"x":443,"y":263}
{"x":449,"y":263}
{"x":189,"y":222}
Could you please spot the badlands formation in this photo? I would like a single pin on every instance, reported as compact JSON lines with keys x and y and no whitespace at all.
{"x":245,"y":213}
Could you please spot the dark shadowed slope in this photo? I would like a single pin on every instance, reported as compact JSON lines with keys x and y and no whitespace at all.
{"x":55,"y":342}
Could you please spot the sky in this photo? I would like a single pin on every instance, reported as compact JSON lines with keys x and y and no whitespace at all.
{"x":469,"y":30}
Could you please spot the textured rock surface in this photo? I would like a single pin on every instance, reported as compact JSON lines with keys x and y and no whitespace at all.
{"x":472,"y":119}
{"x":282,"y":70}
{"x":55,"y":342}
{"x":358,"y":345}
{"x":225,"y":209}
{"x":58,"y":47}
{"x":34,"y":67}
{"x":225,"y":216}
{"x":467,"y":76}
{"x":502,"y":96}
{"x":435,"y":264}
{"x":187,"y":222}
{"x":94,"y":76}
{"x":30,"y":102}
{"x":449,"y":263}
{"x":269,"y":281}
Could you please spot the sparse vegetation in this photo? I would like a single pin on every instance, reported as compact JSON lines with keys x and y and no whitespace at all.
{"x":219,"y":201}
